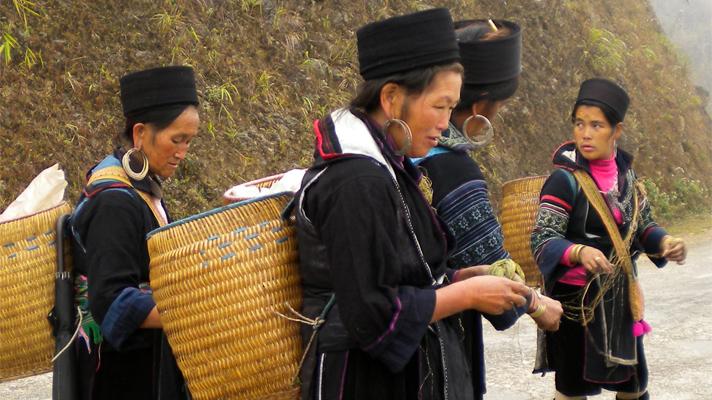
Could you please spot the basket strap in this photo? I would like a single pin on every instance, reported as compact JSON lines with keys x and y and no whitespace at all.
{"x":572,"y":183}
{"x":310,"y":177}
{"x":620,"y":246}
{"x":119,"y":175}
{"x":595,"y":198}
{"x":110,"y":174}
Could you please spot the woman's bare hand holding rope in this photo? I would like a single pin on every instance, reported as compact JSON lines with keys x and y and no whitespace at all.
{"x":595,"y":261}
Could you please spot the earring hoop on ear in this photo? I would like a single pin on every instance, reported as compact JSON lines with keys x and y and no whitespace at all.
{"x":126,"y":164}
{"x":408,"y":135}
{"x":482,"y":139}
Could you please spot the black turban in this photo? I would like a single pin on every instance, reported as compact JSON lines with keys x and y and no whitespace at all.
{"x":603,"y":91}
{"x":157,"y":87}
{"x":491,"y":61}
{"x":406,"y":43}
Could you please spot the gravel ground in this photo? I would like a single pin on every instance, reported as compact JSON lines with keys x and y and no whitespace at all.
{"x":33,"y":388}
{"x":679,"y":349}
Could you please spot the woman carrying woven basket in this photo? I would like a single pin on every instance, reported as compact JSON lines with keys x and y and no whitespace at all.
{"x":593,"y":222}
{"x":121,"y":348}
{"x":373,"y":255}
{"x":490,"y":52}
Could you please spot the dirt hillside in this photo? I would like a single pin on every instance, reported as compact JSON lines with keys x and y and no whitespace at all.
{"x":267,"y":68}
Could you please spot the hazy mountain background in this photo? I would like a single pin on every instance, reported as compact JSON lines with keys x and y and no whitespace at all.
{"x":688,"y":23}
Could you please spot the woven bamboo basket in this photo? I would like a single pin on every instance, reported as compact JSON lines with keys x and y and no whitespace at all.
{"x":28,"y":262}
{"x":219,"y":279}
{"x":520,"y":203}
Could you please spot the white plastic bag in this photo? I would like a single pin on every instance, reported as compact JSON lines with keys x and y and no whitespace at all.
{"x":289,"y":182}
{"x":44,"y":192}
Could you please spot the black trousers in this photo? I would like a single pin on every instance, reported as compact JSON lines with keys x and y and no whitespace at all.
{"x":112,"y":375}
{"x":148,"y":373}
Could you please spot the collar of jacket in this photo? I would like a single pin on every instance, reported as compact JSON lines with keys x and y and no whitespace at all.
{"x":349,"y":133}
{"x":150,"y":184}
{"x":454,"y":139}
{"x":567,"y":157}
{"x":346,"y":134}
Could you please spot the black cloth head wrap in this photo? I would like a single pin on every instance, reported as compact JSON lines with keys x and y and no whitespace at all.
{"x":605,"y":92}
{"x":494,"y":60}
{"x":156,"y":88}
{"x":406,"y":43}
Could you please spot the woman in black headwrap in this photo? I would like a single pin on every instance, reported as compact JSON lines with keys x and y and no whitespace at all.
{"x":490,"y":52}
{"x":386,"y":308}
{"x":593,"y":223}
{"x":122,"y":351}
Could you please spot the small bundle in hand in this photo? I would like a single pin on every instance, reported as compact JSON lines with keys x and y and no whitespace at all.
{"x":507,"y":268}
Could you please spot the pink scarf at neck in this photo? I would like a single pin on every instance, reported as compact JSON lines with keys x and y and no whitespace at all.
{"x":605,"y":172}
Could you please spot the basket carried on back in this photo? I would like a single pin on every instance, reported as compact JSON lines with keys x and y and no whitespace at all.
{"x":219,"y":279}
{"x":520,"y":203}
{"x":28,"y":262}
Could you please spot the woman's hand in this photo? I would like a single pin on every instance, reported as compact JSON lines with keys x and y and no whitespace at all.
{"x":550,"y":319}
{"x":487,"y":294}
{"x":674,"y":249}
{"x":595,"y":261}
{"x":495,"y":295}
{"x":153,"y":320}
{"x":469,"y":272}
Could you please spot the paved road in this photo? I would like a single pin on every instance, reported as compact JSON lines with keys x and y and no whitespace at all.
{"x":679,"y":350}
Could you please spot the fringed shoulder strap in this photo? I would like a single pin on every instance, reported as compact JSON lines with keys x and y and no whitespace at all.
{"x":621,"y":247}
{"x":117,"y":174}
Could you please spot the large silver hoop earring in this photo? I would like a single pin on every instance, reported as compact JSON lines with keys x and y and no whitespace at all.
{"x":482,"y":139}
{"x":126,"y":163}
{"x":408,"y":135}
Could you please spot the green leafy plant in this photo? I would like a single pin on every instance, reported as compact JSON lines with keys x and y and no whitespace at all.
{"x":223,"y":92}
{"x":194,"y":34}
{"x":649,"y":54}
{"x":687,"y":197}
{"x":168,"y":21}
{"x":694,"y":196}
{"x":264,"y":81}
{"x":7,"y":45}
{"x":660,"y":201}
{"x":248,"y":5}
{"x":31,"y":58}
{"x":23,"y":8}
{"x":605,"y":51}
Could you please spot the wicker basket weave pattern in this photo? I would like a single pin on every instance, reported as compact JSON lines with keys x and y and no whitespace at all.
{"x":218,"y":279}
{"x":520,"y":204}
{"x":27,"y":272}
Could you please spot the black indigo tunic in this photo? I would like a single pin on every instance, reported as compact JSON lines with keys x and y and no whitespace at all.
{"x":355,"y":225}
{"x":109,"y":230}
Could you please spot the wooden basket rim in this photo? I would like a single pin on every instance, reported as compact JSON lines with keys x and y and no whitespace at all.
{"x":526,"y":178}
{"x":64,"y":202}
